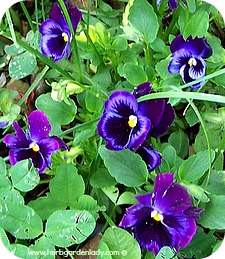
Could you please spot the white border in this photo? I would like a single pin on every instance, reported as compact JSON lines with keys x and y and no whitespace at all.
{"x":219,"y":4}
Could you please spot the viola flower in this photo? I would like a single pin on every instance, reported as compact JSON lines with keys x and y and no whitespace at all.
{"x":126,"y":123}
{"x":164,"y":217}
{"x":171,"y":3}
{"x":188,"y":58}
{"x":56,"y":34}
{"x":36,"y":145}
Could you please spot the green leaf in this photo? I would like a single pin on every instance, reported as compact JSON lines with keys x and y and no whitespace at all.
{"x":216,"y":183}
{"x":134,"y":74}
{"x":202,"y":19}
{"x":118,"y":239}
{"x":22,"y":65}
{"x":43,"y":248}
{"x":191,"y":5}
{"x":67,"y":227}
{"x":20,"y":220}
{"x":214,"y":214}
{"x":143,"y":18}
{"x":195,"y":166}
{"x":67,"y":185}
{"x":179,"y":140}
{"x":126,"y":166}
{"x":112,"y":193}
{"x":126,"y":198}
{"x":101,"y":178}
{"x":2,"y":167}
{"x":59,"y":112}
{"x":24,"y":176}
{"x":22,"y":251}
{"x":46,"y":205}
{"x":165,"y":252}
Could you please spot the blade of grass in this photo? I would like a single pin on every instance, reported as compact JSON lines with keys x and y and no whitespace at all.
{"x":27,"y":15}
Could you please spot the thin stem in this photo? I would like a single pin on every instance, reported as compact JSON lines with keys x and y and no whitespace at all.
{"x":35,"y":83}
{"x":75,"y":50}
{"x":36,"y":14}
{"x":147,"y":54}
{"x":183,"y":95}
{"x":76,"y":127}
{"x":11,"y":28}
{"x":43,"y":10}
{"x":27,"y":15}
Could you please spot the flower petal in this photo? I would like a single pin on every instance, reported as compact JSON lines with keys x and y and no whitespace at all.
{"x":115,"y":130}
{"x":16,"y":155}
{"x":56,"y":14}
{"x":39,"y":125}
{"x":173,"y":4}
{"x":19,"y":141}
{"x":150,"y":155}
{"x":50,"y":27}
{"x":139,"y":133}
{"x":145,"y":199}
{"x":165,"y":121}
{"x":134,"y":214}
{"x":152,"y":235}
{"x":153,"y":109}
{"x":142,"y":89}
{"x":170,"y":197}
{"x":184,"y":225}
{"x":47,"y":147}
{"x":75,"y":15}
{"x":179,"y":58}
{"x":198,"y":71}
{"x":55,"y":46}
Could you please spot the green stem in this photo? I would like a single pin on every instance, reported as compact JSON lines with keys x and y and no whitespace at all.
{"x":43,"y":10}
{"x":35,"y":83}
{"x":36,"y":14}
{"x":147,"y":54}
{"x":27,"y":15}
{"x":11,"y":28}
{"x":61,"y":135}
{"x":75,"y":51}
{"x":183,"y":95}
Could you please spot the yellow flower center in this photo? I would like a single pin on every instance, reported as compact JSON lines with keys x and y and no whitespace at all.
{"x":192,"y":62}
{"x":132,"y":122}
{"x":65,"y":37}
{"x":156,"y":215}
{"x":34,"y":147}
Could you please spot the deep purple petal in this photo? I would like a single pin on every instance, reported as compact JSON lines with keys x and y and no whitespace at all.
{"x":75,"y":15}
{"x":139,"y":133}
{"x":47,"y":147}
{"x":142,"y":89}
{"x":21,"y":140}
{"x":115,"y":130}
{"x":16,"y":155}
{"x":122,"y":103}
{"x":170,"y":197}
{"x":184,"y":225}
{"x":145,"y":199}
{"x":55,"y":46}
{"x":51,"y":27}
{"x":166,"y":120}
{"x":39,"y":125}
{"x":56,"y":14}
{"x":173,"y":4}
{"x":152,"y":235}
{"x":62,"y":144}
{"x":150,"y":155}
{"x":193,"y":212}
{"x":134,"y":214}
{"x":153,"y":109}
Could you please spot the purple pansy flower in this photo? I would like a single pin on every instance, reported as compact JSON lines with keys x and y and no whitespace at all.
{"x":171,"y":3}
{"x":126,"y":123}
{"x":56,"y":35}
{"x":35,"y":145}
{"x":188,"y":58}
{"x":164,"y":217}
